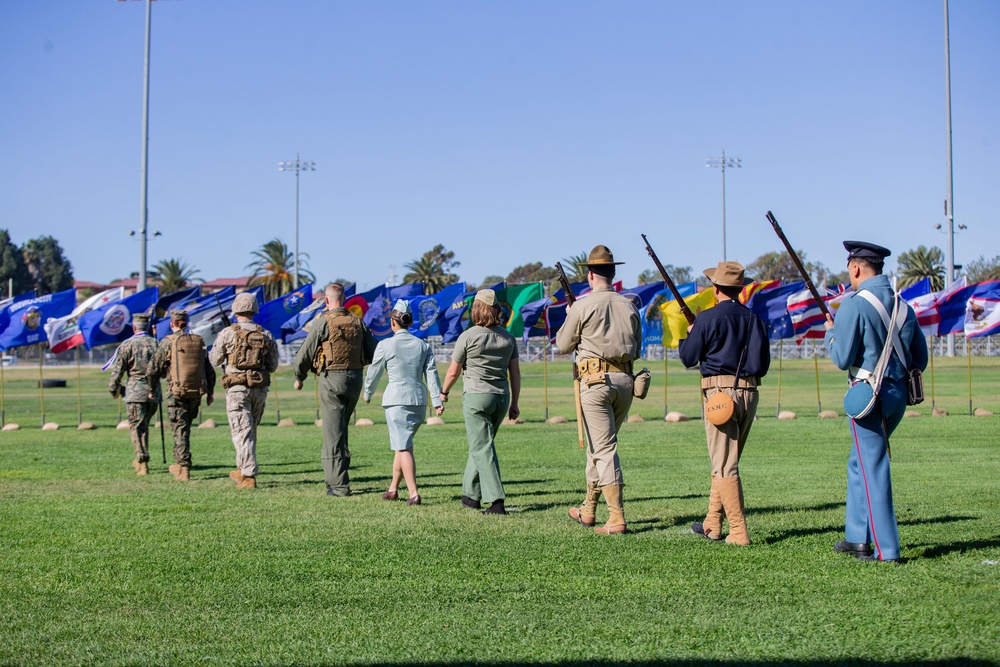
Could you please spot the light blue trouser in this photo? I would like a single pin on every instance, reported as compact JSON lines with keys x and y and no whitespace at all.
{"x":870,"y":514}
{"x":483,"y":415}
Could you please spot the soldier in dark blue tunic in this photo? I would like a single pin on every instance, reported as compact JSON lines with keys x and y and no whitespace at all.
{"x":855,"y":343}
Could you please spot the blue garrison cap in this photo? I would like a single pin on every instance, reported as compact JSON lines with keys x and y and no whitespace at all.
{"x":863,"y":250}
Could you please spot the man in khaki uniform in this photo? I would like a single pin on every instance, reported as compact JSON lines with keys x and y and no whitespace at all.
{"x":605,"y":331}
{"x":131,"y":358}
{"x":246,"y":387}
{"x":181,"y":410}
{"x":338,"y":347}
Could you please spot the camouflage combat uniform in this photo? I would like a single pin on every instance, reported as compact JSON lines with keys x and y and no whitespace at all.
{"x":180,"y":411}
{"x":244,"y":405}
{"x":132,"y":358}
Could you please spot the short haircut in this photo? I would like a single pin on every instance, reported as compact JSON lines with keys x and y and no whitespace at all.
{"x":335,"y":292}
{"x":484,"y":315}
{"x":140,"y":325}
{"x":731,"y":292}
{"x":402,"y":319}
{"x":603,"y":270}
{"x":876,"y":265}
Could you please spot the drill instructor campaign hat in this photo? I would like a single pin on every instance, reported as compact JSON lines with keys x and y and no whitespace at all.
{"x":728,"y":274}
{"x":601,"y":255}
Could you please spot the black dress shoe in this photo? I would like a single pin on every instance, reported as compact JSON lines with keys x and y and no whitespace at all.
{"x":860,"y":550}
{"x":872,"y":558}
{"x":470,"y":503}
{"x":496,"y":508}
{"x":699,"y":529}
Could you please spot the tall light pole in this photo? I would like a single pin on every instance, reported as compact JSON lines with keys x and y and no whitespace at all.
{"x":949,"y":212}
{"x":296,"y":166}
{"x":143,"y":209}
{"x":722,"y":163}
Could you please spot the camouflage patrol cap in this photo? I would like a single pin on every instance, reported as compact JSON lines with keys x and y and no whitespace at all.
{"x":245,"y":302}
{"x":178,"y":315}
{"x":140,"y":321}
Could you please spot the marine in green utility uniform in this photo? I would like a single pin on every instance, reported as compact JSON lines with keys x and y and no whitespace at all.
{"x":337,"y":349}
{"x":130,"y":361}
{"x":182,"y":361}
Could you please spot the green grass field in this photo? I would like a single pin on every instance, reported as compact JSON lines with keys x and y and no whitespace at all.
{"x":100,"y":567}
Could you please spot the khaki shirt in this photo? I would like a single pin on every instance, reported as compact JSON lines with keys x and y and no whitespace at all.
{"x":219,"y":355}
{"x":602,"y":325}
{"x":484,"y":353}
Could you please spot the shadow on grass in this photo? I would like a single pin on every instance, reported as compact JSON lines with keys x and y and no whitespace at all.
{"x":968,"y":545}
{"x":800,"y":532}
{"x":691,"y":662}
{"x":936,"y":519}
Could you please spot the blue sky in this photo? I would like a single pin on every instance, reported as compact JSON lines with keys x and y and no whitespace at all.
{"x":510,"y":132}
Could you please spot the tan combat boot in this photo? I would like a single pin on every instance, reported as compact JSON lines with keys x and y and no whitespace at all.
{"x":236,"y":476}
{"x":184,"y":475}
{"x":732,"y":500}
{"x":711,"y":528}
{"x":175,"y":470}
{"x":247,"y":483}
{"x":585,"y":513}
{"x":143,"y":469}
{"x":135,"y":464}
{"x":616,"y":522}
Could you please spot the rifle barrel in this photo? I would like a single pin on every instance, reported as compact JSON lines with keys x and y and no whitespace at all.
{"x":670,"y":283}
{"x":798,"y":263}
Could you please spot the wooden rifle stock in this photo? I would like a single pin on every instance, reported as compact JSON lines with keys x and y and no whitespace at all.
{"x":670,"y":283}
{"x":798,"y":263}
{"x":570,"y":299}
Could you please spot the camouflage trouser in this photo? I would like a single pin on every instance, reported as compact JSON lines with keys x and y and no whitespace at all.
{"x":139,"y":415}
{"x":181,"y":412}
{"x":244,"y":408}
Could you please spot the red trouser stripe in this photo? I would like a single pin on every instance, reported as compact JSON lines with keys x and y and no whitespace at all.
{"x":871,"y":517}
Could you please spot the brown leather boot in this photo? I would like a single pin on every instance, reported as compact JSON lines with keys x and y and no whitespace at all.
{"x":585,"y":513}
{"x":143,"y":468}
{"x":616,"y":522}
{"x":732,"y":500}
{"x":184,"y":475}
{"x":135,"y":464}
{"x":247,"y":483}
{"x":175,"y":470}
{"x":236,"y":476}
{"x":711,"y":528}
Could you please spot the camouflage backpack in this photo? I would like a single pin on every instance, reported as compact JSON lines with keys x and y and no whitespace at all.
{"x":187,"y":366}
{"x":248,"y":349}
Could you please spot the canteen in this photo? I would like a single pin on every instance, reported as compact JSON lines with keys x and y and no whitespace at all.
{"x":719,"y":408}
{"x":859,"y":399}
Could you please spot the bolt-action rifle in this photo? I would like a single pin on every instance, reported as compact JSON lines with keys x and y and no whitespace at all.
{"x":570,"y":300}
{"x":670,"y":283}
{"x":798,"y":263}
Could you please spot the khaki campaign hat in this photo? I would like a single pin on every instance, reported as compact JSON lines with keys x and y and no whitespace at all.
{"x":601,"y":255}
{"x":728,"y":274}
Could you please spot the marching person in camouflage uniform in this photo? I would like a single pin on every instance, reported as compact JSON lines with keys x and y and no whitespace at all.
{"x":131,"y":359}
{"x":181,"y":410}
{"x":246,"y":388}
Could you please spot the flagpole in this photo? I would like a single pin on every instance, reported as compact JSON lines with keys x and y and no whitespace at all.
{"x":277,"y":404}
{"x":41,"y":382}
{"x":545,"y":374}
{"x":930,"y":348}
{"x":781,"y":354}
{"x":3,"y":405}
{"x":665,"y":380}
{"x":968,"y":357}
{"x":819,"y":403}
{"x":79,"y":395}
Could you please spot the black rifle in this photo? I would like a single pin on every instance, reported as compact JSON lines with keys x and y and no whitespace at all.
{"x":798,"y":263}
{"x":670,"y":283}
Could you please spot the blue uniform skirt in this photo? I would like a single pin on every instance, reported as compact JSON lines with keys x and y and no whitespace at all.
{"x":403,"y":422}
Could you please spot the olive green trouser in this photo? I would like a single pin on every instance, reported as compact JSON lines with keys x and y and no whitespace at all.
{"x":483,"y":416}
{"x":338,"y":396}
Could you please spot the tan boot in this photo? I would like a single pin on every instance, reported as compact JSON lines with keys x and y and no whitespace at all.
{"x":236,"y":476}
{"x":184,"y":475}
{"x":585,"y":513}
{"x":247,"y":483}
{"x":712,"y":526}
{"x":732,"y":500}
{"x":143,"y":469}
{"x":175,"y":470}
{"x":135,"y":464}
{"x":616,"y":522}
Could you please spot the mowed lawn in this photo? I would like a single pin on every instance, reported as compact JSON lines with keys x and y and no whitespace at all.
{"x":100,"y":567}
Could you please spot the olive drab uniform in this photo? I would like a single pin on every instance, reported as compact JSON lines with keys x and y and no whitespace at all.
{"x":605,"y":331}
{"x":182,"y":361}
{"x":248,"y":355}
{"x":131,"y":359}
{"x":337,"y":349}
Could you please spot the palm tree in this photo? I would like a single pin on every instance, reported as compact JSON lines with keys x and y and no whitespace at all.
{"x":274,"y":268}
{"x":575,"y":267}
{"x":915,"y":265}
{"x":433,"y":270}
{"x":175,"y":274}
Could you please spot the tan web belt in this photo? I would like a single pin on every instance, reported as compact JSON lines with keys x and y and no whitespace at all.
{"x":594,"y":366}
{"x":726,"y":382}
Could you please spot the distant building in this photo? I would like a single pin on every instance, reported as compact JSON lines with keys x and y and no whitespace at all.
{"x":240,"y":284}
